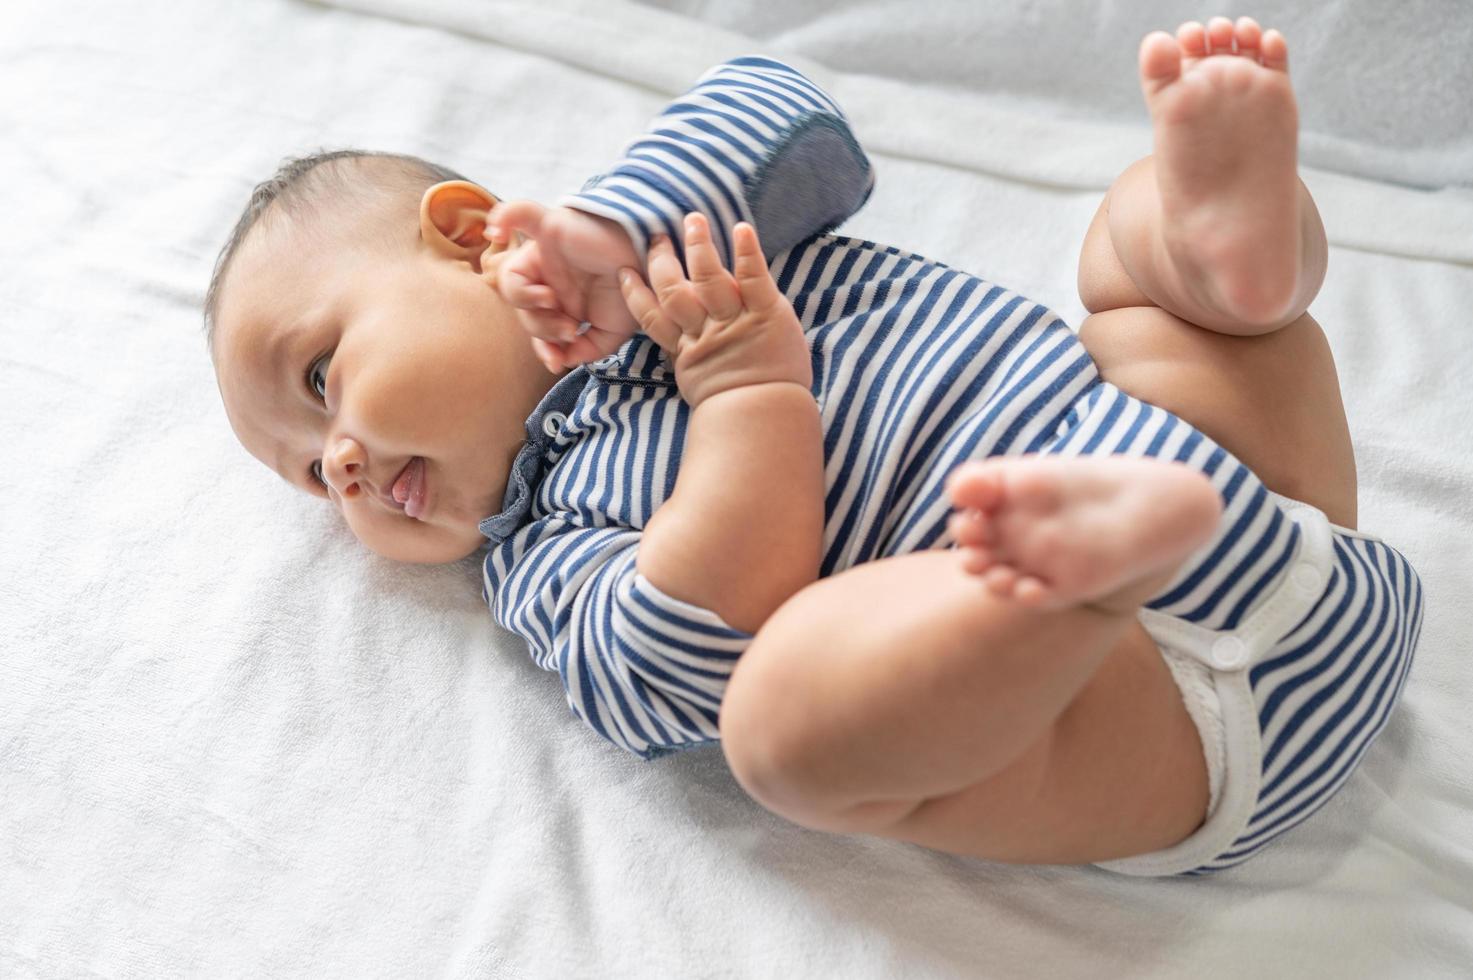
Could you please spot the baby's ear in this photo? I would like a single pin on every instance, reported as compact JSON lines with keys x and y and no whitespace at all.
{"x":452,"y":217}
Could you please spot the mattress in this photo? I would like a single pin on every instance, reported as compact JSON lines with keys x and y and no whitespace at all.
{"x":235,"y":743}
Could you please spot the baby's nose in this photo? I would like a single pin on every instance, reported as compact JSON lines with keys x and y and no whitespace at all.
{"x":342,"y":466}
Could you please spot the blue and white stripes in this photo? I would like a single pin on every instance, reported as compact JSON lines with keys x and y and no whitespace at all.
{"x":1327,"y":689}
{"x":645,"y":670}
{"x":917,"y":367}
{"x":1215,"y":587}
{"x":753,"y":141}
{"x":1325,"y":684}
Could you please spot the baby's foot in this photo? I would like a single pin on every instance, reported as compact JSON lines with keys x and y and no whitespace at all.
{"x":1055,"y":531}
{"x":1226,"y":131}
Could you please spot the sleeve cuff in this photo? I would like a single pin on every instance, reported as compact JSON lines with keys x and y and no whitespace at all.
{"x":681,"y":617}
{"x":637,"y":207}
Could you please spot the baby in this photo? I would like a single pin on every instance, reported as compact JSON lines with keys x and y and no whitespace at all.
{"x":928,"y":563}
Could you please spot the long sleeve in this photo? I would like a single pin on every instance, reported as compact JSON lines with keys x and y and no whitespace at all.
{"x":753,"y":141}
{"x":645,"y":670}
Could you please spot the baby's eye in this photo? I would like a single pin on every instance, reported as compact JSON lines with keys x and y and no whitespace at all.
{"x":317,"y":376}
{"x":316,"y":470}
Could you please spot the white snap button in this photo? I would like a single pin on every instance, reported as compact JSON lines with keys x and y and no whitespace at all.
{"x":1305,"y":576}
{"x":552,"y":422}
{"x":606,"y":362}
{"x":1229,"y":653}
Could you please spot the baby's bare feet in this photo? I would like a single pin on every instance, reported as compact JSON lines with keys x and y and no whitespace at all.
{"x":1054,"y":531}
{"x":1226,"y":132}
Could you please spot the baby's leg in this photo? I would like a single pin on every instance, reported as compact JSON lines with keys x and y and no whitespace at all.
{"x":907,"y":698}
{"x":1270,"y":394}
{"x":1216,"y":226}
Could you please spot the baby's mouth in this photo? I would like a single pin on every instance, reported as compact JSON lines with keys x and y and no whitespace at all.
{"x":410,"y":487}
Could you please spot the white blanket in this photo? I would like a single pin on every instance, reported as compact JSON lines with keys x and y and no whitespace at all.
{"x":234,"y":743}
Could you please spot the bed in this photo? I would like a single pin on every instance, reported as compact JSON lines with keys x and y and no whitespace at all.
{"x":234,"y":743}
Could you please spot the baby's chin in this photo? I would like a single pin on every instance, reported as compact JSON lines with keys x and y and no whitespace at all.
{"x":440,"y":547}
{"x":415,"y":542}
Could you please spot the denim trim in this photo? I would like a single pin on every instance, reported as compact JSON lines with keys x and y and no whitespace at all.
{"x":526,"y":470}
{"x":654,"y":752}
{"x":821,"y":203}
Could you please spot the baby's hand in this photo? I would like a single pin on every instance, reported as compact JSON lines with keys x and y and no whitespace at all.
{"x":563,"y":275}
{"x":721,"y":331}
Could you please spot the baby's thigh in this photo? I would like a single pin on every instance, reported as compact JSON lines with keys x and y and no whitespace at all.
{"x":1273,"y":401}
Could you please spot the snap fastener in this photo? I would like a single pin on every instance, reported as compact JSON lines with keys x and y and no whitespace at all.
{"x":606,"y":362}
{"x":1229,"y":653}
{"x":552,"y":422}
{"x":1305,"y":577}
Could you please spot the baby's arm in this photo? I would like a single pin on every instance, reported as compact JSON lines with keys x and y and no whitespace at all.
{"x":742,"y":532}
{"x":645,"y":668}
{"x":753,"y":140}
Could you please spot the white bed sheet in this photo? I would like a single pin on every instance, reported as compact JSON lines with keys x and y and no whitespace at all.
{"x":233,"y":743}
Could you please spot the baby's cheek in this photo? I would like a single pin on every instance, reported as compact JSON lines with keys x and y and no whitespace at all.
{"x":370,"y":528}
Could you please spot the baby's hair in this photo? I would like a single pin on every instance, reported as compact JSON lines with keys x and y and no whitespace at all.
{"x":300,"y":184}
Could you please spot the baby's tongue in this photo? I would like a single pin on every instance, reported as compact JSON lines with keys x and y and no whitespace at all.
{"x":402,"y":486}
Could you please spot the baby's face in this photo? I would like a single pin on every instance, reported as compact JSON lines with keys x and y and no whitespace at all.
{"x":347,"y":365}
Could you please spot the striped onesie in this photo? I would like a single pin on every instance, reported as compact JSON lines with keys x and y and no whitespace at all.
{"x":1289,"y":637}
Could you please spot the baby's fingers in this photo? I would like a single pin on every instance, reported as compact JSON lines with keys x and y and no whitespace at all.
{"x":592,"y":345}
{"x":524,"y":294}
{"x":759,"y":292}
{"x":519,"y":279}
{"x":551,"y":355}
{"x":677,"y":298}
{"x":645,"y":307}
{"x":713,"y":284}
{"x":509,"y":218}
{"x":541,"y":261}
{"x":548,"y":325}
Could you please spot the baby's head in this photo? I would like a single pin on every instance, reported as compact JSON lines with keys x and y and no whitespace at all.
{"x":362,"y":355}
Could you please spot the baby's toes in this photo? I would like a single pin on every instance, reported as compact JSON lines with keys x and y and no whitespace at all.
{"x":1192,"y":37}
{"x":975,"y":485}
{"x":971,"y":528}
{"x":975,"y":561}
{"x":1248,"y":35}
{"x":1002,"y":580}
{"x":1273,"y":51}
{"x":1160,"y":61}
{"x":1032,"y":591}
{"x":1220,"y":36}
